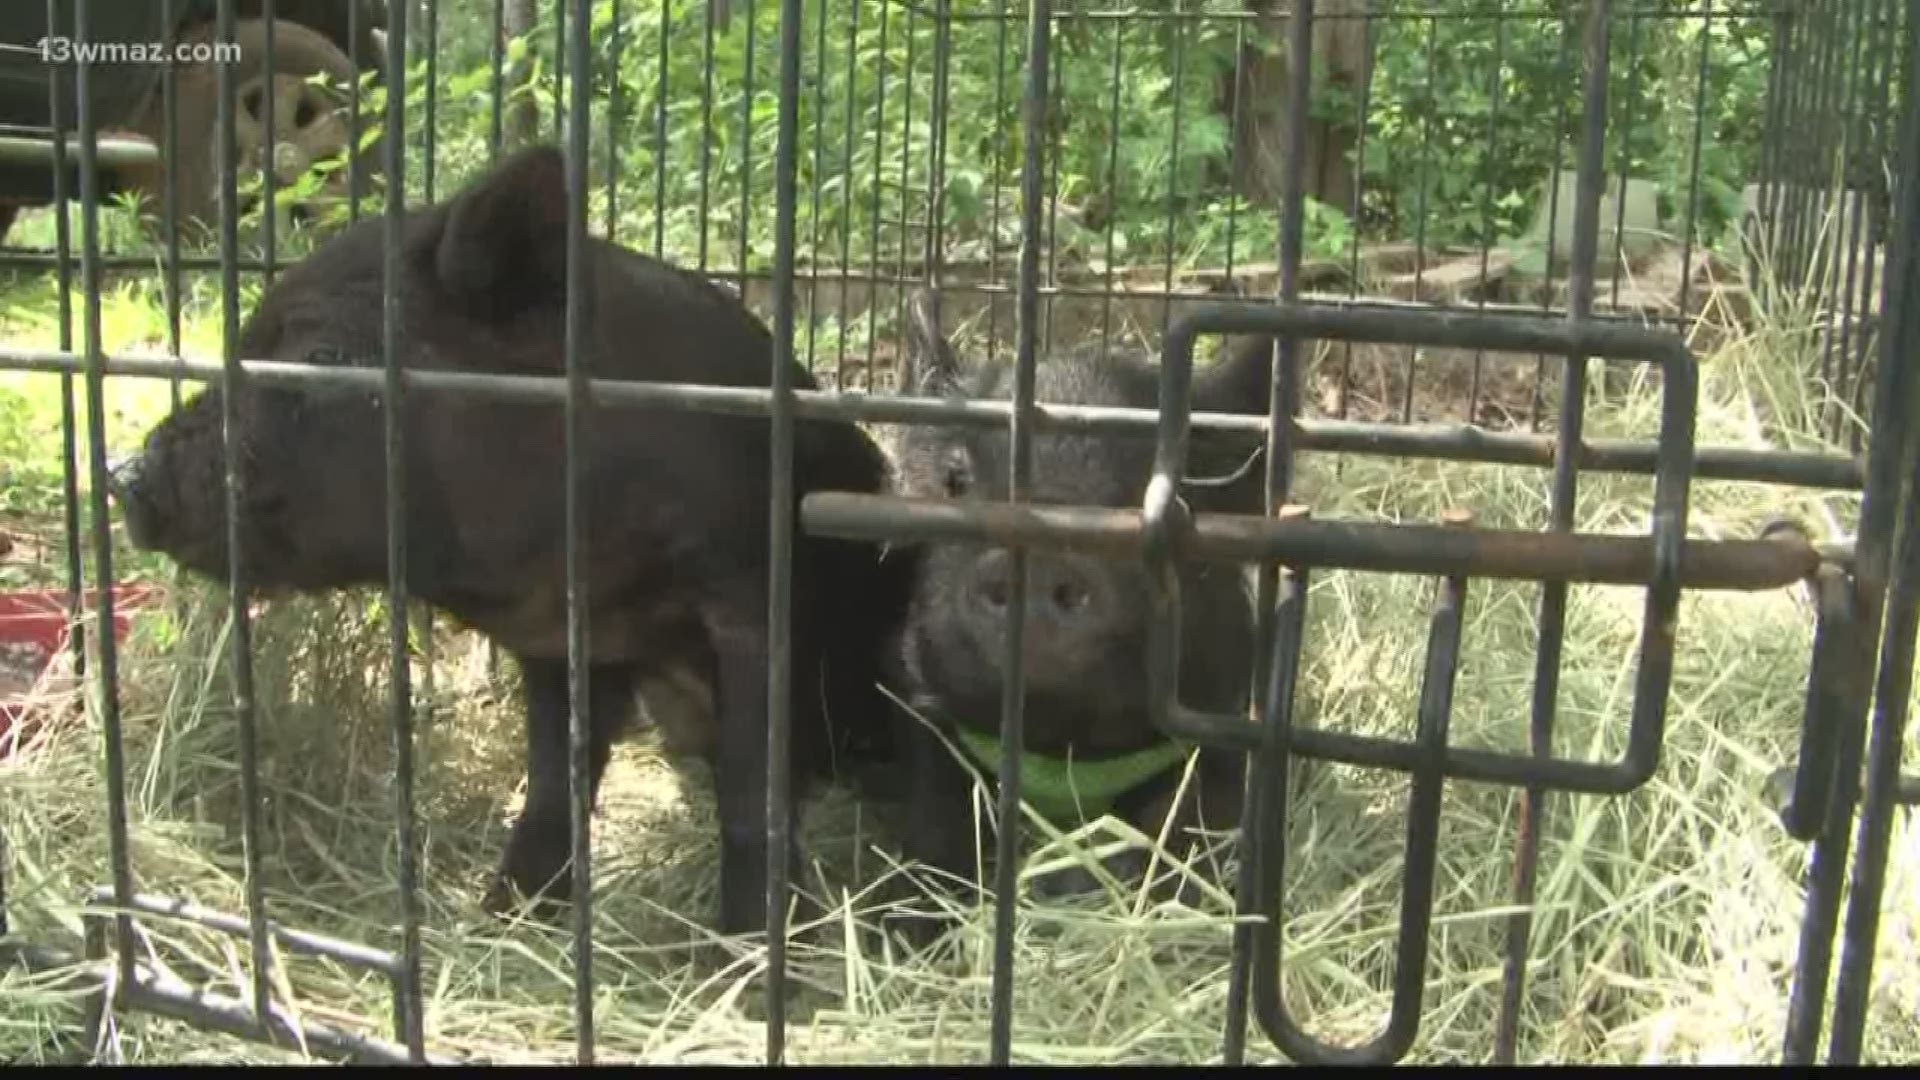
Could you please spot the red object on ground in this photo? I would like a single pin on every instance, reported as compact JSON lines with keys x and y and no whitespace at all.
{"x":36,"y":623}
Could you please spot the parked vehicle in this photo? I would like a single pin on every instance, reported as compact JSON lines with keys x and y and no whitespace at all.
{"x":131,"y":40}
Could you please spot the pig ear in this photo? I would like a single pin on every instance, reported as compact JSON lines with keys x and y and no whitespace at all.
{"x":1241,"y":381}
{"x":504,"y":245}
{"x":932,"y":370}
{"x":1223,"y":468}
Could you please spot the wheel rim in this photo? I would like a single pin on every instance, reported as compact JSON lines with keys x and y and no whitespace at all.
{"x":308,"y":126}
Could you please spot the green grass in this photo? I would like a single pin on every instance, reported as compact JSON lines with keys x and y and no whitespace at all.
{"x":1666,"y":923}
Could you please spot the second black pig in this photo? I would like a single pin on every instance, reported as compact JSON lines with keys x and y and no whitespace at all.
{"x":1086,"y":619}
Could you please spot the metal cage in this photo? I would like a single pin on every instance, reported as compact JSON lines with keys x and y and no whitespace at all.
{"x":1840,"y":99}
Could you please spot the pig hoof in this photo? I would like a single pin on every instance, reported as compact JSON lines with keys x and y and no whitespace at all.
{"x":505,"y":900}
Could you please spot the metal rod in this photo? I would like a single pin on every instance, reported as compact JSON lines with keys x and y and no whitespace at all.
{"x":303,"y":942}
{"x":1417,"y":879}
{"x":820,"y":167}
{"x":999,"y":167}
{"x":272,"y":134}
{"x":163,"y":995}
{"x":1825,"y":792}
{"x":1494,"y":81}
{"x":394,"y":406}
{"x":1109,"y":258}
{"x":1362,"y":108}
{"x":906,"y":149}
{"x":69,"y":427}
{"x":430,"y":126}
{"x":1034,"y":118}
{"x":1553,"y":598}
{"x":170,"y":209}
{"x":1518,"y":555}
{"x":873,"y":210}
{"x":706,"y":129}
{"x":1726,"y":10}
{"x":497,"y":61}
{"x":1263,"y":815}
{"x":355,"y":163}
{"x":1453,"y":442}
{"x":660,"y":133}
{"x":1851,"y":299}
{"x":780,"y":538}
{"x":846,"y":188}
{"x":215,"y":1012}
{"x":1692,"y":233}
{"x":1882,"y":143}
{"x":1427,"y":108}
{"x":1893,"y":412}
{"x":1282,"y":407}
{"x":1563,"y":114}
{"x":615,"y":137}
{"x":1172,"y":171}
{"x":1624,"y":164}
{"x":238,"y":594}
{"x":578,"y":439}
{"x":745,"y":209}
{"x":118,"y":848}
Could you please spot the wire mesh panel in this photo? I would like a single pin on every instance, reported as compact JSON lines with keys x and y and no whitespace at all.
{"x":1449,"y":228}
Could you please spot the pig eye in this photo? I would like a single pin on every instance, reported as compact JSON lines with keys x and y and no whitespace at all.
{"x":957,"y":475}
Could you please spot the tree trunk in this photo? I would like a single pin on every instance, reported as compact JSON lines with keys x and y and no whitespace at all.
{"x":1341,"y":57}
{"x":522,"y":121}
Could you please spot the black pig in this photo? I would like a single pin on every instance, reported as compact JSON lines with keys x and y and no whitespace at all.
{"x":1085,"y":642}
{"x":677,"y":502}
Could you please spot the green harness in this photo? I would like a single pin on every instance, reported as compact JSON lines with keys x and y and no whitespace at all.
{"x":1060,"y":789}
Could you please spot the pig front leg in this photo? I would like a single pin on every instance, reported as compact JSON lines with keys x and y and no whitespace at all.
{"x":538,"y":860}
{"x":736,"y":626}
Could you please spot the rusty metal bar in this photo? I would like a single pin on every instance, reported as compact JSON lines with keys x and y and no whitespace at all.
{"x":1510,"y":554}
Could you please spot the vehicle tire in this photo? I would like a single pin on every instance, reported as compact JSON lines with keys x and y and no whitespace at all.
{"x":311,"y":123}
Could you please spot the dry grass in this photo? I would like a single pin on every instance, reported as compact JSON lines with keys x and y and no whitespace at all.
{"x":1666,"y":924}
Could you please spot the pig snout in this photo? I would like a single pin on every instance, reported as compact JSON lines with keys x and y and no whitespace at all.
{"x":127,"y":485}
{"x":1072,"y":609}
